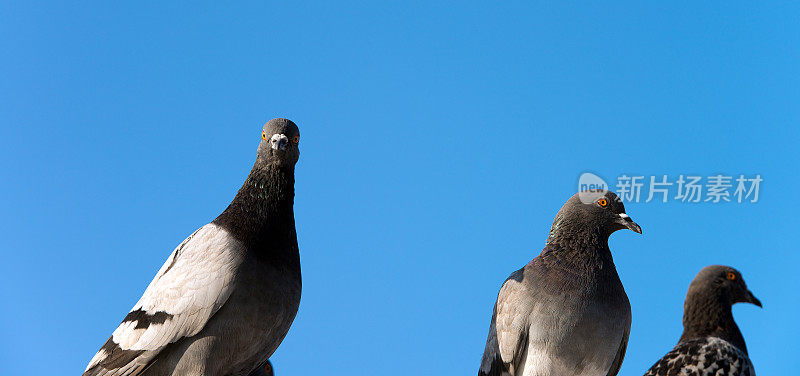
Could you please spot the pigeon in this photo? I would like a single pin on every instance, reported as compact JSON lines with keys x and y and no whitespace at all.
{"x":264,"y":369}
{"x":227,"y":295}
{"x":711,"y":343}
{"x":565,"y":312}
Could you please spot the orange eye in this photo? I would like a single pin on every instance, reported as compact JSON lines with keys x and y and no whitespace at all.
{"x":731,"y":276}
{"x":296,"y":139}
{"x":602,"y":202}
{"x":263,"y":135}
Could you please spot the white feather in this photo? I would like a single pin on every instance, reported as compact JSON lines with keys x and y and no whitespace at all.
{"x":192,"y":285}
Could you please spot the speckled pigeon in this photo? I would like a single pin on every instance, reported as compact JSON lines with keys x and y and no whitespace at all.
{"x":226,"y":296}
{"x":711,"y":343}
{"x":565,"y":312}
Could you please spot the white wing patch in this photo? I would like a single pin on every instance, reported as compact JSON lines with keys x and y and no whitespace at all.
{"x":102,"y":354}
{"x":190,"y":287}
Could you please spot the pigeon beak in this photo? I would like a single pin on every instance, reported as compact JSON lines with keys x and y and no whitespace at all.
{"x":752,"y":299}
{"x":278,"y":142}
{"x":626,"y":221}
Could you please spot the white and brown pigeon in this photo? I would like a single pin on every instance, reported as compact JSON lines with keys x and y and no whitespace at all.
{"x":711,"y":343}
{"x":226,"y":297}
{"x":565,"y":312}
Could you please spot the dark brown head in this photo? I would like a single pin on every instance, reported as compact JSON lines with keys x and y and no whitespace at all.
{"x":265,"y":369}
{"x":596,"y":211}
{"x":720,"y":283}
{"x":707,"y":309}
{"x":280,"y":140}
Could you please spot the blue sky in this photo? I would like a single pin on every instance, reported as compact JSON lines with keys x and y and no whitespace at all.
{"x":438,"y":142}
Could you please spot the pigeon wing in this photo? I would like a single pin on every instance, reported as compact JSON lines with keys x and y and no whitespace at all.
{"x":192,"y":285}
{"x":704,"y":356}
{"x":508,"y":331}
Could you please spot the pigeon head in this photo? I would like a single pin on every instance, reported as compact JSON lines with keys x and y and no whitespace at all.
{"x":707,"y":309}
{"x":264,"y":369}
{"x":265,"y":202}
{"x":598,"y":212}
{"x":280,"y":139}
{"x":720,"y":283}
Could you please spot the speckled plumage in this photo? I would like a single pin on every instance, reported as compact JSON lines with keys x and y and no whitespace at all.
{"x":565,"y":312}
{"x":709,"y":356}
{"x":711,"y":343}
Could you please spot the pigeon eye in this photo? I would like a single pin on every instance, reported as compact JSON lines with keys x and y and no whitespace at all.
{"x":602,"y":202}
{"x":731,"y":276}
{"x":296,"y":139}
{"x":263,"y":135}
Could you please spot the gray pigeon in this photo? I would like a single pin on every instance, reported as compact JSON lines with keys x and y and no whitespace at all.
{"x":264,"y":369}
{"x":226,"y":296}
{"x":711,"y":343}
{"x":566,"y":312}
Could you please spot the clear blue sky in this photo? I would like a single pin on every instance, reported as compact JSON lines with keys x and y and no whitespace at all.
{"x":438,"y":142}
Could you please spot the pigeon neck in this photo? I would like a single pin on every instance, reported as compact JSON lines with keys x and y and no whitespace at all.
{"x":262,"y":215}
{"x":706,"y":316}
{"x":582,"y":247}
{"x":569,"y":233}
